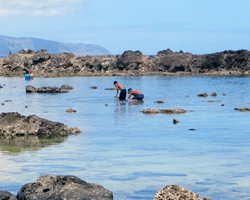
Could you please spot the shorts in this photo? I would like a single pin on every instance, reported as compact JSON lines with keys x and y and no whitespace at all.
{"x":139,"y":97}
{"x":123,"y":94}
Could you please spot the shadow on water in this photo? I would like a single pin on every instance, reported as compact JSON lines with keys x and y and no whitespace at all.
{"x":31,"y":143}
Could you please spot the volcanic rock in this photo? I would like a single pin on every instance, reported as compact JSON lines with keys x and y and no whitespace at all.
{"x":63,"y":187}
{"x":14,"y":124}
{"x":164,"y":111}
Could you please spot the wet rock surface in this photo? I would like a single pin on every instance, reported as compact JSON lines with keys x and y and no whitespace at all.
{"x":243,"y":109}
{"x":48,"y":89}
{"x":14,"y":124}
{"x":176,"y":192}
{"x":70,"y":110}
{"x":63,"y":187}
{"x":7,"y":196}
{"x":129,"y":63}
{"x":164,"y":111}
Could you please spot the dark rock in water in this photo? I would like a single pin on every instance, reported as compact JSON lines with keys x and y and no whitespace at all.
{"x":66,"y":87}
{"x":70,"y":110}
{"x":192,"y":129}
{"x":176,"y":192}
{"x":93,"y":87}
{"x":214,"y":94}
{"x":30,"y":89}
{"x":209,"y":101}
{"x":109,"y":89}
{"x":7,"y":196}
{"x":62,"y":89}
{"x":14,"y":124}
{"x":243,"y":109}
{"x":175,"y":121}
{"x":164,"y":111}
{"x":1,"y":86}
{"x":63,"y":187}
{"x":202,"y":95}
{"x":159,"y":101}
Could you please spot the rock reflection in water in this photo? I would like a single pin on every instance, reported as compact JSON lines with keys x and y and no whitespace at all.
{"x":30,"y":143}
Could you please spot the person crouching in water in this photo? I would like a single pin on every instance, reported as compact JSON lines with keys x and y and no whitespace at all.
{"x":122,"y":89}
{"x":137,"y":95}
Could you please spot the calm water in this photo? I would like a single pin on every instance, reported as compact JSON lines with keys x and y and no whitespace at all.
{"x":130,"y":153}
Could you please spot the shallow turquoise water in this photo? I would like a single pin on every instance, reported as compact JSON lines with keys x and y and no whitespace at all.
{"x":130,"y":153}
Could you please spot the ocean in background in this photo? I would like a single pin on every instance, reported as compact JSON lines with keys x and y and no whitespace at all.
{"x":128,"y":152}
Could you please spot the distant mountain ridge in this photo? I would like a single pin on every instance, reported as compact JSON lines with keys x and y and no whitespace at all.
{"x":15,"y":44}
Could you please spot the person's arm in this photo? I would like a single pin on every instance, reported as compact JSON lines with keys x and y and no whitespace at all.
{"x":129,"y":96}
{"x":117,"y":89}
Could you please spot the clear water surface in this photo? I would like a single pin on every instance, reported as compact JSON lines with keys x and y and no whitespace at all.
{"x":128,"y":152}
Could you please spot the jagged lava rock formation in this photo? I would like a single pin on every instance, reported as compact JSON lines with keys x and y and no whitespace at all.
{"x":165,"y":62}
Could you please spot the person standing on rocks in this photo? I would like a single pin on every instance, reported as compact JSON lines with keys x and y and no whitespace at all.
{"x":137,"y":95}
{"x":122,"y":89}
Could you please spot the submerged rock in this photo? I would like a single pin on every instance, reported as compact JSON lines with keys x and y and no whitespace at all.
{"x":70,"y":110}
{"x":159,"y":101}
{"x":214,"y":94}
{"x":14,"y":124}
{"x":93,"y":87}
{"x":63,"y":187}
{"x":243,"y":109}
{"x":175,"y":121}
{"x":176,"y":192}
{"x":48,"y":89}
{"x":202,"y":95}
{"x":165,"y":111}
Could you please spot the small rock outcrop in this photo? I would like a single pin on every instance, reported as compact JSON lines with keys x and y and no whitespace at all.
{"x":202,"y":95}
{"x":164,"y":111}
{"x":70,"y":110}
{"x":213,"y":94}
{"x":62,"y":89}
{"x":176,"y":121}
{"x":176,"y":192}
{"x":7,"y":196}
{"x":159,"y":101}
{"x":243,"y":109}
{"x":63,"y":187}
{"x":14,"y":124}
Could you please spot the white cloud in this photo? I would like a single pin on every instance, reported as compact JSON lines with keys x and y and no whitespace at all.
{"x":37,"y":8}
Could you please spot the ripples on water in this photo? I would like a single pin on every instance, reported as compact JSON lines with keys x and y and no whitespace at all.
{"x":128,"y":152}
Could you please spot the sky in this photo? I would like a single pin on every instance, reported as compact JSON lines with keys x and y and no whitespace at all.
{"x":196,"y":26}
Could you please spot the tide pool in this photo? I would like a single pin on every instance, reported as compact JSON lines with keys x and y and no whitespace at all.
{"x":128,"y":152}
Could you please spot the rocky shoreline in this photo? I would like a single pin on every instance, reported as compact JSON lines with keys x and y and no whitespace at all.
{"x":73,"y":188}
{"x":166,"y":62}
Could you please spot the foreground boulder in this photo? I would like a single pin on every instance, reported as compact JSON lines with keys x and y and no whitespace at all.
{"x":48,"y":89}
{"x":6,"y":196}
{"x":176,"y":192}
{"x":63,"y":187}
{"x":14,"y":124}
{"x":164,"y":111}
